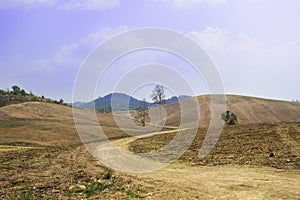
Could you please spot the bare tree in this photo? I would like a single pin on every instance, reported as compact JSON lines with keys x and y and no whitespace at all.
{"x":143,"y":110}
{"x":158,"y":96}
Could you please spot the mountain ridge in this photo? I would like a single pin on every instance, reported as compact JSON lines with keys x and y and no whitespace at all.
{"x":121,"y":101}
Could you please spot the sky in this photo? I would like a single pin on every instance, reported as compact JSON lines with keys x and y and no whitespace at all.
{"x":254,"y":44}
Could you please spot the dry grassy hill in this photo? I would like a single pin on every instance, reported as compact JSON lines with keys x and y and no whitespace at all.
{"x":42,"y":157}
{"x":264,"y":126}
{"x":54,"y":159}
{"x":257,"y":110}
{"x":250,"y":110}
{"x":37,"y":123}
{"x":45,"y":124}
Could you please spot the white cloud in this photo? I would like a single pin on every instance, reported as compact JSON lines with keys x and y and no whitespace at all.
{"x":40,"y":64}
{"x":99,"y":36}
{"x":72,"y":55}
{"x":220,"y":42}
{"x":190,"y":3}
{"x":67,"y":55}
{"x":244,"y":43}
{"x":68,"y":5}
{"x":249,"y":66}
{"x":212,"y":39}
{"x":80,"y":5}
{"x":25,"y":3}
{"x":184,"y":3}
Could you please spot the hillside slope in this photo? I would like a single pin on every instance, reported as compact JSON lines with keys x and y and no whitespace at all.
{"x":235,"y":168}
{"x":38,"y":123}
{"x":45,"y":124}
{"x":250,"y":110}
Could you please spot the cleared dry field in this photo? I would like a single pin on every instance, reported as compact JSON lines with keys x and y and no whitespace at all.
{"x":239,"y":145}
{"x":42,"y":157}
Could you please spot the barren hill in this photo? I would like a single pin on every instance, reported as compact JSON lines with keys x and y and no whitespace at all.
{"x":36,"y":124}
{"x":45,"y":124}
{"x":250,"y":110}
{"x":39,"y":123}
{"x":239,"y":165}
{"x":257,"y":110}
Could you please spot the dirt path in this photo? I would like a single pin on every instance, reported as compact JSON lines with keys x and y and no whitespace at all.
{"x":225,"y":182}
{"x":5,"y":148}
{"x":182,"y":181}
{"x":124,"y":142}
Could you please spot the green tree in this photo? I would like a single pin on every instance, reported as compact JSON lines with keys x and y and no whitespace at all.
{"x":2,"y":92}
{"x":229,"y":117}
{"x":2,"y":101}
{"x":23,"y":93}
{"x":102,"y":110}
{"x":16,"y":90}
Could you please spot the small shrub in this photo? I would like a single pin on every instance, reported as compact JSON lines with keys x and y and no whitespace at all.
{"x":229,"y":117}
{"x":94,"y":189}
{"x":132,"y":194}
{"x":27,"y":195}
{"x":107,"y":174}
{"x":272,"y":154}
{"x":143,"y":122}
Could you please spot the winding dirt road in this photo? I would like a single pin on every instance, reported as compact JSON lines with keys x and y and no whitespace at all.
{"x":182,"y":181}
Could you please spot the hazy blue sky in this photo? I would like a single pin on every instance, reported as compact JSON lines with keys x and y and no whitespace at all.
{"x":255,"y":44}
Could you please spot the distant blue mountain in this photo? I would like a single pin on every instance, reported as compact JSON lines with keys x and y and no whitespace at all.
{"x":115,"y":101}
{"x":176,"y":99}
{"x":120,"y":102}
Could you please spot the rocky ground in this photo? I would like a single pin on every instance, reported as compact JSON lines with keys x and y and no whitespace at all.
{"x":241,"y":145}
{"x":62,"y":173}
{"x":239,"y":167}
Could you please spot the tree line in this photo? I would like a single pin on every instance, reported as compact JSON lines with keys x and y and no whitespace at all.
{"x":18,"y":95}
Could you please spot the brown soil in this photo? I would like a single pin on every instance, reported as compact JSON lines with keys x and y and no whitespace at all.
{"x":249,"y":110}
{"x":41,"y":156}
{"x":239,"y":167}
{"x":242,"y":145}
{"x":49,"y":172}
{"x":180,"y":181}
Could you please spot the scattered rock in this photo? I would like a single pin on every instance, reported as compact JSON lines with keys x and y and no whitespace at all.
{"x":55,"y":191}
{"x":77,"y":188}
{"x":100,"y":181}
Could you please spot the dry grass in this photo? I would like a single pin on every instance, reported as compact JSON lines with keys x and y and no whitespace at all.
{"x":249,"y":110}
{"x":16,"y":149}
{"x":49,"y":172}
{"x":44,"y":124}
{"x":41,"y":154}
{"x":242,"y":145}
